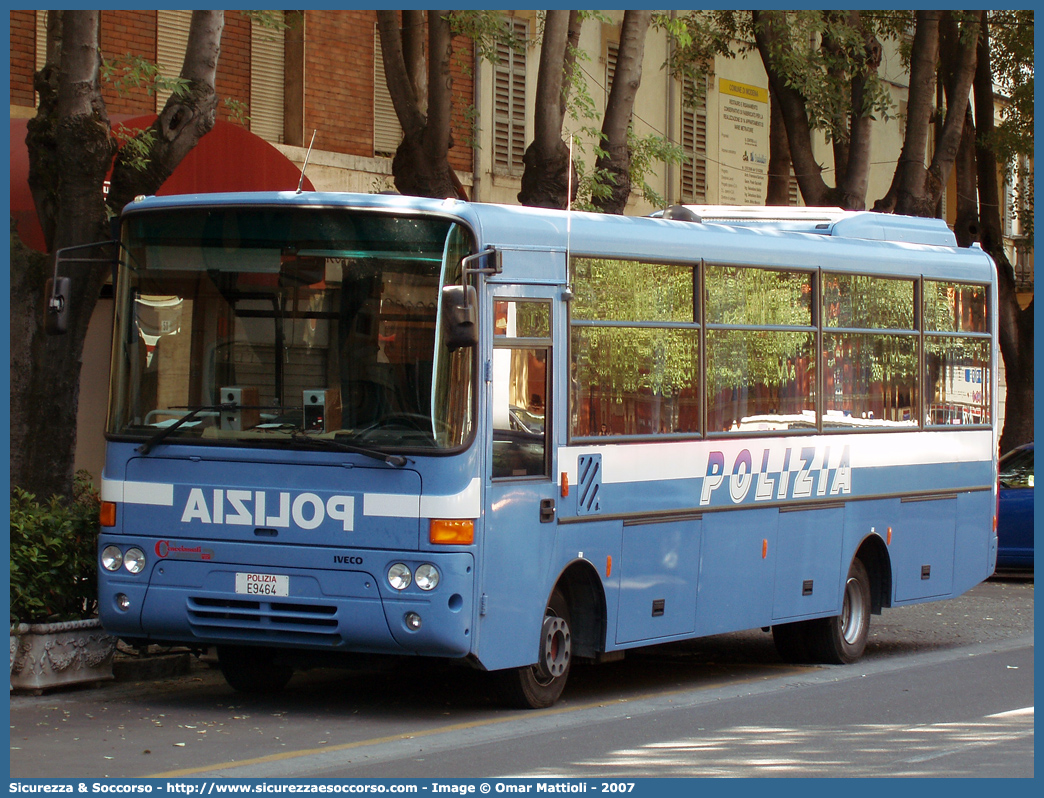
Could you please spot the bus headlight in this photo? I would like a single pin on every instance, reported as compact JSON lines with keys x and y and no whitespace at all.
{"x":427,"y":577}
{"x":134,"y":560}
{"x":111,"y":558}
{"x":399,"y":576}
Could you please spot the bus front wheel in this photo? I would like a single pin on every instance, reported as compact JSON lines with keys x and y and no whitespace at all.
{"x":251,"y":669}
{"x":538,"y":686}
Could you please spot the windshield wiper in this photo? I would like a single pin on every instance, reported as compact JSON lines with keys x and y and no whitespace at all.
{"x":397,"y":460}
{"x":160,"y":436}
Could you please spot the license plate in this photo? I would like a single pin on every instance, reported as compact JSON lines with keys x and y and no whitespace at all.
{"x":263,"y":584}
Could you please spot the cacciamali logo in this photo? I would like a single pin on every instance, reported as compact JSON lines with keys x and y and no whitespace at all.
{"x":165,"y":549}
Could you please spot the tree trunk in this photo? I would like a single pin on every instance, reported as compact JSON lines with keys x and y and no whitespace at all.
{"x":966,"y":223}
{"x":40,"y":139}
{"x":615,"y":165}
{"x":1016,"y":324}
{"x":778,"y":191}
{"x":958,"y":65}
{"x":421,"y":163}
{"x":770,"y":35}
{"x":413,"y":29}
{"x":908,"y":181}
{"x":854,"y":181}
{"x":547,"y":169}
{"x":184,"y":120}
{"x":70,"y":151}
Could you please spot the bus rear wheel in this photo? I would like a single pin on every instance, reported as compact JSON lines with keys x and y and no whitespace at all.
{"x":538,"y":686}
{"x":253,"y":669}
{"x":842,"y":638}
{"x":791,"y":641}
{"x":837,"y":640}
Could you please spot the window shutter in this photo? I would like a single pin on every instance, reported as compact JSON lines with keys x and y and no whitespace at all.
{"x":267,"y":83}
{"x":509,"y":105}
{"x":694,"y":144}
{"x":41,"y":39}
{"x":387,"y":132}
{"x":172,"y":34}
{"x":612,"y":54}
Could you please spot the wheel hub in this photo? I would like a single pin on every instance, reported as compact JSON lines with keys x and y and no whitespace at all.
{"x":555,"y":647}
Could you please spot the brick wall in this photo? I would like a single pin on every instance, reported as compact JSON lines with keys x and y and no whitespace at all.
{"x":23,"y":57}
{"x":339,"y":80}
{"x":462,"y":68}
{"x":339,"y":85}
{"x":233,"y":75}
{"x":338,"y":74}
{"x":128,"y":33}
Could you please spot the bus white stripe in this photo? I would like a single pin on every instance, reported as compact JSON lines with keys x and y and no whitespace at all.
{"x":466,"y":504}
{"x":654,"y":462}
{"x":158,"y":494}
{"x":391,"y":505}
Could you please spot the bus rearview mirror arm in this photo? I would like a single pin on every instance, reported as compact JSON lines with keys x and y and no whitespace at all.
{"x":58,"y":289}
{"x":494,"y":263}
{"x":460,"y":302}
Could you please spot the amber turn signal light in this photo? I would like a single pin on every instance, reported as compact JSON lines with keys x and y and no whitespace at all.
{"x":107,"y":514}
{"x":452,"y":532}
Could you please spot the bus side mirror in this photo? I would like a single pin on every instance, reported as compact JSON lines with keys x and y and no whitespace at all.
{"x":58,"y":290}
{"x":460,"y":316}
{"x":56,"y":314}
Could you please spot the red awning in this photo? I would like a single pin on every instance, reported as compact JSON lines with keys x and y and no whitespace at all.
{"x":228,"y":158}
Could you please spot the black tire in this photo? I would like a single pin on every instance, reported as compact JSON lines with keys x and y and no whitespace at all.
{"x":539,"y":686}
{"x":792,"y":642}
{"x":842,"y":639}
{"x":252,"y":669}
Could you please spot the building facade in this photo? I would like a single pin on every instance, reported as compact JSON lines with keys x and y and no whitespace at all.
{"x":288,"y":75}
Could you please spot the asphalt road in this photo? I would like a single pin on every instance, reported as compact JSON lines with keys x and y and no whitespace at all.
{"x":945,"y":689}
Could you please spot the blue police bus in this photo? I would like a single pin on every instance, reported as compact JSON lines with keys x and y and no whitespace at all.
{"x":517,"y":437}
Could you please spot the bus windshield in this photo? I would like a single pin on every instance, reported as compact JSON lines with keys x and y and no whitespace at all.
{"x":289,"y":326}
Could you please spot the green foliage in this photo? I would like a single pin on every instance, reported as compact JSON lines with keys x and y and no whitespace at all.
{"x":273,"y":21}
{"x":53,"y":559}
{"x":236,"y":111}
{"x":127,"y":72}
{"x":1012,"y":63}
{"x":646,"y":152}
{"x":697,"y":37}
{"x":135,"y":145}
{"x":488,"y":33}
{"x":822,"y":73}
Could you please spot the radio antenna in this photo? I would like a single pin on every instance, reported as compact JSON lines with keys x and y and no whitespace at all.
{"x":304,"y":166}
{"x":567,"y":292}
{"x":569,"y":199}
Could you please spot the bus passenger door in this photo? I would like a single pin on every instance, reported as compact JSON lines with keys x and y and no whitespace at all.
{"x":521,"y":514}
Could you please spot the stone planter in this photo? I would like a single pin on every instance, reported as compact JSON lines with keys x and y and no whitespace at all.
{"x":49,"y":655}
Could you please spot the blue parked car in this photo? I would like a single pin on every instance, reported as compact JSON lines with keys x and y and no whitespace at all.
{"x":1015,"y":517}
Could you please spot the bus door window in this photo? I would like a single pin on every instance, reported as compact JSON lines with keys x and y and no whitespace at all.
{"x":521,"y":388}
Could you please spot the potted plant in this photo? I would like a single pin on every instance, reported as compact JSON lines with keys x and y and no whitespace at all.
{"x":56,"y":638}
